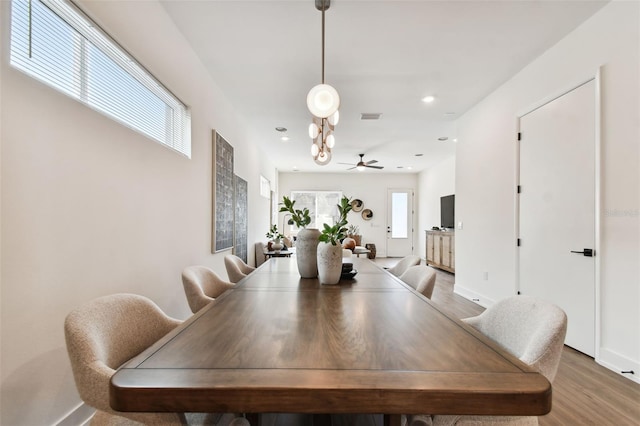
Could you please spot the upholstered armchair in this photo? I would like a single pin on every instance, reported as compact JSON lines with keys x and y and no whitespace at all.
{"x":531,"y":329}
{"x":404,"y":264}
{"x":421,"y":278}
{"x":202,"y":285}
{"x":105,"y":333}
{"x":236,"y":268}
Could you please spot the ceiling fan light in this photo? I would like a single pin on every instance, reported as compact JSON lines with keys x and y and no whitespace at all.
{"x":331,"y":140}
{"x":314,"y":130}
{"x":360,"y":167}
{"x":323,"y":100}
{"x":334,"y":118}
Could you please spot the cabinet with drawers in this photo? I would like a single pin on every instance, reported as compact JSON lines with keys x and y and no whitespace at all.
{"x":441,"y":250}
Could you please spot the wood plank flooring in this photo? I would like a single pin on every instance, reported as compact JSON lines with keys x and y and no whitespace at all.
{"x":584,"y":393}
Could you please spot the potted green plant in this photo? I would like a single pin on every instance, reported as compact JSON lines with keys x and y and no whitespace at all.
{"x":330,"y":249}
{"x":306,"y":241}
{"x":275,"y":238}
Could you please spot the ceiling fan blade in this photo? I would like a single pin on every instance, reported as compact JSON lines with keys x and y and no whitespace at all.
{"x":351,"y":168}
{"x":347,"y":164}
{"x":371,"y":162}
{"x":375,"y":167}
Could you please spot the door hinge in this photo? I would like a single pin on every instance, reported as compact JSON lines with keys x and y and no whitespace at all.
{"x":519,"y":136}
{"x":518,"y":242}
{"x":519,"y":189}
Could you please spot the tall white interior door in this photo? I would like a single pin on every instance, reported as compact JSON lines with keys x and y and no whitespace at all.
{"x":557,"y":207}
{"x":399,"y":222}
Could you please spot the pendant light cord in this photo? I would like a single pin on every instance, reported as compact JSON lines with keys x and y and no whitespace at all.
{"x":323,"y":9}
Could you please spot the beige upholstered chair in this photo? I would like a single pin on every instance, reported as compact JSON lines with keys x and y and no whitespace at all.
{"x":105,"y":333}
{"x":404,"y":264}
{"x":236,"y":268}
{"x":421,"y":278}
{"x":260,"y":248}
{"x":202,"y":285}
{"x":529,"y":328}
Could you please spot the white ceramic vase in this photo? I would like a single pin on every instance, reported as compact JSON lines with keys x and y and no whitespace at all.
{"x":276,"y":246}
{"x":329,"y":263}
{"x":306,"y":252}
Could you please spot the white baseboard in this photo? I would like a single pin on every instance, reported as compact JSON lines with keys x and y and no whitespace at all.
{"x":80,"y":415}
{"x":480,"y":299}
{"x":618,"y":363}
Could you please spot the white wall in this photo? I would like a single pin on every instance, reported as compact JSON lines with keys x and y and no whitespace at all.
{"x":485,"y":174}
{"x":90,"y":207}
{"x":370,"y":187}
{"x":433,"y":183}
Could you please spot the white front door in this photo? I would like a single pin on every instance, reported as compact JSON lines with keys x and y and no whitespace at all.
{"x":399,"y":222}
{"x":557,"y":209}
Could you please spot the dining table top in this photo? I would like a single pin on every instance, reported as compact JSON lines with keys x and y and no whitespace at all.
{"x":370,"y":344}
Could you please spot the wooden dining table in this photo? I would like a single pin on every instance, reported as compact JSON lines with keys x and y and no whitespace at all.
{"x":370,"y":344}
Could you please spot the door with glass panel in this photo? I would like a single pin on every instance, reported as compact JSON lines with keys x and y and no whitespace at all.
{"x":399,"y":222}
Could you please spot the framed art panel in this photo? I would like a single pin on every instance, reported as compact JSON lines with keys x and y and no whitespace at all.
{"x":241,"y":223}
{"x":223,"y":191}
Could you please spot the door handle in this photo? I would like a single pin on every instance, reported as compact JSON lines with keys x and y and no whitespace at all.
{"x":586,"y":252}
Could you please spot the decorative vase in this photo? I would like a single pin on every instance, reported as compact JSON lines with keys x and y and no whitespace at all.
{"x":276,"y":246}
{"x":306,"y":252}
{"x":329,"y":263}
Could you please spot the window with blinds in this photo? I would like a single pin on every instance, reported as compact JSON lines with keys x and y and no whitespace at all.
{"x":54,"y":42}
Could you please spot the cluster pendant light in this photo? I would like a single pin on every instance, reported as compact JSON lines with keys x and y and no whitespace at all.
{"x":323,"y":102}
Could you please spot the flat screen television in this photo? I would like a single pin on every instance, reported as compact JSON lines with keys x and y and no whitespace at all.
{"x":448,"y":211}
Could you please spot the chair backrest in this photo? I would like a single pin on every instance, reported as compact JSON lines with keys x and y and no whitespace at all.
{"x":236,"y":268}
{"x":202,"y":285}
{"x":103,"y":334}
{"x":529,"y":328}
{"x":404,"y":264}
{"x":260,"y":248}
{"x":421,"y":278}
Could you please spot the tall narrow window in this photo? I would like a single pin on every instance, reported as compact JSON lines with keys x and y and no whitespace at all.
{"x":54,"y":42}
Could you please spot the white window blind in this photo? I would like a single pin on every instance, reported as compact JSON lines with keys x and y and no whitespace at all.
{"x":54,"y":42}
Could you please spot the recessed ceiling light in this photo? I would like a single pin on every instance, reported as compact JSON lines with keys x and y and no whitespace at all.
{"x":409,"y":168}
{"x":443,"y":138}
{"x":455,"y":140}
{"x":419,"y":155}
{"x":281,"y":129}
{"x":399,"y":167}
{"x":428,"y":99}
{"x":285,"y":138}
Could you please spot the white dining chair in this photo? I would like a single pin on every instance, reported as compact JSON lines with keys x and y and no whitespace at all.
{"x":404,"y":264}
{"x":202,"y":286}
{"x":531,"y":329}
{"x":237,"y":269}
{"x":106,"y":332}
{"x":421,"y":278}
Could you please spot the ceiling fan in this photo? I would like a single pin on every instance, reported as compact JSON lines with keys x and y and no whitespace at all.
{"x":362,"y":164}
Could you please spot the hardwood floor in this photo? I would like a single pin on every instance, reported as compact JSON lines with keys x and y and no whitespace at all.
{"x":584,"y":393}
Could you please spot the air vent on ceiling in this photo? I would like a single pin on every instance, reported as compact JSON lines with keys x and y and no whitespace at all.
{"x":370,"y":116}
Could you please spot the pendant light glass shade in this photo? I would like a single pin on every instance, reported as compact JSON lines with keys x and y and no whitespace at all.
{"x":323,"y":158}
{"x":314,"y":130}
{"x":330,"y":140}
{"x":323,"y":100}
{"x":315,"y":150}
{"x":334,"y":118}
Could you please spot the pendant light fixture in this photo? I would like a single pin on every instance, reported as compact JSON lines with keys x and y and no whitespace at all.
{"x":323,"y":102}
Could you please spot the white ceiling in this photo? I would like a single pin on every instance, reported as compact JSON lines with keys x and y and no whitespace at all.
{"x":381,"y":56}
